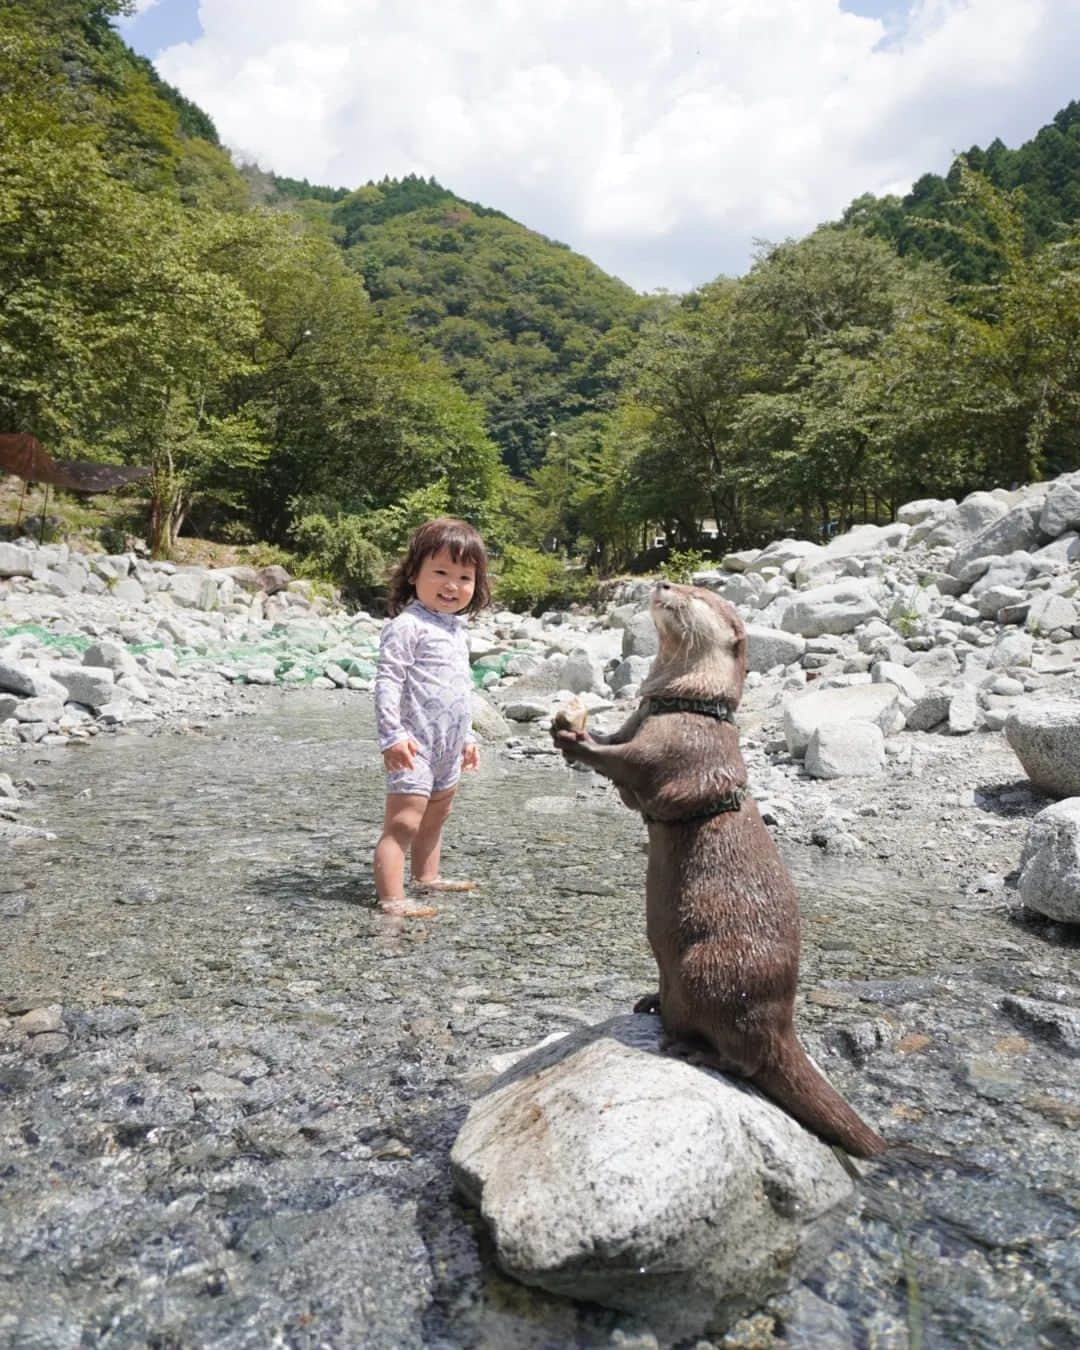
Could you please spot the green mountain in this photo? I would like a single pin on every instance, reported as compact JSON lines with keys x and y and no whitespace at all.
{"x":1045,"y":172}
{"x":532,"y":329}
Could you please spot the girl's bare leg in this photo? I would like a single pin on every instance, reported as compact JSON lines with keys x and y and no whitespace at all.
{"x":427,"y":845}
{"x":404,"y":812}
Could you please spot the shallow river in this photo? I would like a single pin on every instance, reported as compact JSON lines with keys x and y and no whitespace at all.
{"x":244,"y":1140}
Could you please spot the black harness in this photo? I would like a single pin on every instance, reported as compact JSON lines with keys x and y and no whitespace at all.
{"x":720,"y":710}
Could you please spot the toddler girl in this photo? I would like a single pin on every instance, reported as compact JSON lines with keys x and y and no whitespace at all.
{"x":423,"y":705}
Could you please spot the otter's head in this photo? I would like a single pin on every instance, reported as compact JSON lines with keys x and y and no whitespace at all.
{"x":702,"y":644}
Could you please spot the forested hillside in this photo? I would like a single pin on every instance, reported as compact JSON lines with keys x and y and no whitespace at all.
{"x":1046,"y":169}
{"x":152,"y":315}
{"x":530,"y":328}
{"x":319,"y":367}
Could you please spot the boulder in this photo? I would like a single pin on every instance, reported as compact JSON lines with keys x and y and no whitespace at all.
{"x":769,"y":647}
{"x":839,"y":608}
{"x":92,"y":685}
{"x":583,"y":673}
{"x":15,"y":561}
{"x":271,"y":578}
{"x":740,"y":560}
{"x":630,"y":671}
{"x":805,"y":713}
{"x":974,"y":513}
{"x":652,"y":1186}
{"x":1050,"y":862}
{"x":1046,"y":738}
{"x":487,"y":721}
{"x":930,"y":710}
{"x":845,"y":750}
{"x":782,"y":551}
{"x":639,"y":635}
{"x":964,"y":714}
{"x":1017,"y":529}
{"x":1049,"y":612}
{"x":914,"y":513}
{"x":1060,"y":509}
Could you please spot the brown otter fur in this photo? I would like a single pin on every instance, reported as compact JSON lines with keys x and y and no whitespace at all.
{"x":722,"y":912}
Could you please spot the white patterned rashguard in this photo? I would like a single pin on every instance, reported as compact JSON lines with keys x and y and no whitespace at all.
{"x":423,"y":690}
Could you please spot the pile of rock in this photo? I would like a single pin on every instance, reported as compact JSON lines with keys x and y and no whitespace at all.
{"x":942,"y":622}
{"x":107,"y":640}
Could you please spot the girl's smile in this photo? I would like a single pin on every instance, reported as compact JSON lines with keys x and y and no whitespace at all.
{"x":444,"y":585}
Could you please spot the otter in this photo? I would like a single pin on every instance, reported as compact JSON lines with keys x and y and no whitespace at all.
{"x":722,"y":913}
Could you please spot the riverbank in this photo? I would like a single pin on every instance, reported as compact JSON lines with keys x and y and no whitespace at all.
{"x":237,"y":1128}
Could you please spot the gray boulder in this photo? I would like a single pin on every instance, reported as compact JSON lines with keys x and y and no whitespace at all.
{"x":1050,"y":862}
{"x":974,"y":513}
{"x":639,"y":635}
{"x":839,"y":608}
{"x":92,"y":685}
{"x":15,"y":561}
{"x":1017,"y":530}
{"x":769,"y":647}
{"x":630,"y":671}
{"x":1060,"y":509}
{"x":846,"y":750}
{"x":914,"y":513}
{"x":487,"y":721}
{"x":804,"y":714}
{"x":1049,"y":613}
{"x":652,"y":1186}
{"x":1046,"y":739}
{"x":583,"y":673}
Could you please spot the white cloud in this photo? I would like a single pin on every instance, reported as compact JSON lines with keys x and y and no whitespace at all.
{"x":659,"y":137}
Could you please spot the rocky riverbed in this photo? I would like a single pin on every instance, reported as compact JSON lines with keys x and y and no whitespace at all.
{"x":231,"y":1122}
{"x":229,"y":1086}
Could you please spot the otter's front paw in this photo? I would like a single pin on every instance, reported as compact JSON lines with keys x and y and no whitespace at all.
{"x":648,"y":1003}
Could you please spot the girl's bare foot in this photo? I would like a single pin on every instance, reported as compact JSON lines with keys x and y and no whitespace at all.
{"x":400,"y":908}
{"x":442,"y":884}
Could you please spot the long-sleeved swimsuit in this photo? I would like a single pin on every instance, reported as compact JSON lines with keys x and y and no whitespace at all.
{"x":423,"y":691}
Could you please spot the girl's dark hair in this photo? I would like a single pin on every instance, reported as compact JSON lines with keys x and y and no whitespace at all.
{"x":465,"y":546}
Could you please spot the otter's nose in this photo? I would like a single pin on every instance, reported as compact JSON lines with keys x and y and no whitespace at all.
{"x":663,"y":585}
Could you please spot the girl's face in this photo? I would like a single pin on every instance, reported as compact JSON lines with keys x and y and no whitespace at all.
{"x":444,"y":585}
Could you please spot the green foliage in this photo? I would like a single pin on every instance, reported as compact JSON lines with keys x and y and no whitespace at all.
{"x":340,"y":549}
{"x":1046,"y":168}
{"x":522,"y":323}
{"x":681,"y":564}
{"x":525,"y":578}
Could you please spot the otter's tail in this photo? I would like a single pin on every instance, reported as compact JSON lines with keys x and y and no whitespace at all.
{"x":793,"y":1083}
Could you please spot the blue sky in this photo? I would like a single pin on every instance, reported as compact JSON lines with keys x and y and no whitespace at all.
{"x":168,"y":22}
{"x":661,"y":139}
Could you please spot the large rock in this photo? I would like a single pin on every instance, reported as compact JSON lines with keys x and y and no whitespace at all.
{"x":804,"y":714}
{"x":1050,"y":862}
{"x":953,"y":526}
{"x":30,"y":681}
{"x":914,"y":513}
{"x":487,"y":721}
{"x":845,"y":750}
{"x":1017,"y":530}
{"x":15,"y":561}
{"x":1046,"y":738}
{"x":639,"y":635}
{"x":839,"y":608}
{"x":630,"y":671}
{"x":1060,"y":509}
{"x":1049,"y":613}
{"x":92,"y":685}
{"x":611,"y":1173}
{"x":769,"y":647}
{"x":583,"y":673}
{"x":782,"y":551}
